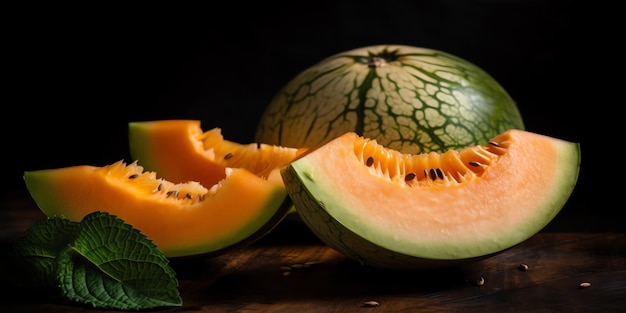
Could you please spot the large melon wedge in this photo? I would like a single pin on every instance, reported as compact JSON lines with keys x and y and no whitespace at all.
{"x":401,"y":211}
{"x":183,"y":219}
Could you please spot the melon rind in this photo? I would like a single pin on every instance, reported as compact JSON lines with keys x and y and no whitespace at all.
{"x":325,"y":208}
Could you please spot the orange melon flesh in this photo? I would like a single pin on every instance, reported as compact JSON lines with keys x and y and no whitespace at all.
{"x":173,"y":142}
{"x":181,"y":219}
{"x":451,"y":206}
{"x":180,"y":151}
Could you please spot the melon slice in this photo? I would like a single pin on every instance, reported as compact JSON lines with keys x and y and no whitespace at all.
{"x":402,"y":211}
{"x":180,"y":151}
{"x":213,"y":195}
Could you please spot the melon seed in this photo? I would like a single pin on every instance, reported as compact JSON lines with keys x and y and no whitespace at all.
{"x":585,"y":285}
{"x":480,"y":281}
{"x":369,"y":161}
{"x":433,"y":174}
{"x":188,"y":196}
{"x":495,"y":144}
{"x":474,"y":163}
{"x":439,"y":173}
{"x":409,"y":176}
{"x":371,"y":303}
{"x":228,"y":156}
{"x":133,"y":176}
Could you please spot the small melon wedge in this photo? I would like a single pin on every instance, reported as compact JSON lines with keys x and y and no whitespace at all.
{"x":182,"y":219}
{"x":402,"y":211}
{"x":180,"y":151}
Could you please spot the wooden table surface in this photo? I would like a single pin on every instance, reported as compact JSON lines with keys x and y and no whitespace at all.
{"x":256,"y":278}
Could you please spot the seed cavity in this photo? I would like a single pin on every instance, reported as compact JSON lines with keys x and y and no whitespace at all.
{"x":426,"y":170}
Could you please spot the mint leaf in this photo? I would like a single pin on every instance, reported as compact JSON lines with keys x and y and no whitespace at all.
{"x":111,"y":265}
{"x":34,"y":254}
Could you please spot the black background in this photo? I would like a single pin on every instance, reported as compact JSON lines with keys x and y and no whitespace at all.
{"x":77,"y":75}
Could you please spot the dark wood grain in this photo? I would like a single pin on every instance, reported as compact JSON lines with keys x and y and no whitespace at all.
{"x":292,"y":271}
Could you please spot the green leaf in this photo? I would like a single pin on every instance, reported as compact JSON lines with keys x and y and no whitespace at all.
{"x":112,"y":265}
{"x":34,"y":254}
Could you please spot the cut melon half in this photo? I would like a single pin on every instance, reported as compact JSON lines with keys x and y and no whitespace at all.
{"x":401,"y":211}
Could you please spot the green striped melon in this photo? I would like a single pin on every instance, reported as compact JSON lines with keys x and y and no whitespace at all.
{"x":410,"y":99}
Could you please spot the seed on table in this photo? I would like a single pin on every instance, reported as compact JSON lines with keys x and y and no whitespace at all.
{"x":480,"y":281}
{"x":523,"y":267}
{"x":371,"y":303}
{"x":585,"y":285}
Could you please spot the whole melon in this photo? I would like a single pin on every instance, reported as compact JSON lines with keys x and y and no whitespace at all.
{"x":410,"y":99}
